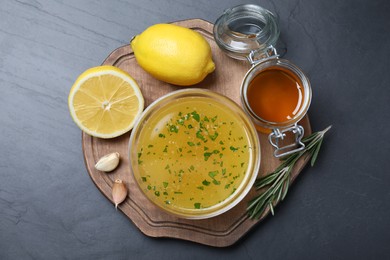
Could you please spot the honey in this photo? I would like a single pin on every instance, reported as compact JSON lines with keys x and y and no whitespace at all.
{"x":275,"y":95}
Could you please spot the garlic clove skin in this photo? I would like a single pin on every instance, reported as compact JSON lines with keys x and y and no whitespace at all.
{"x":119,"y":192}
{"x":108,"y":162}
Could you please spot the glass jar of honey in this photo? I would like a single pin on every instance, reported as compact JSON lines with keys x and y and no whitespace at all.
{"x":275,"y":93}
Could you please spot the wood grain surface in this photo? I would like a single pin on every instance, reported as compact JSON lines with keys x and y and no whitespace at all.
{"x":220,"y":231}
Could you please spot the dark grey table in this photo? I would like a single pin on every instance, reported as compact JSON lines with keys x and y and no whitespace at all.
{"x":49,"y":207}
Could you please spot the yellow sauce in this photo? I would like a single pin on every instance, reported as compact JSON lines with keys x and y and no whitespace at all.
{"x":193,"y":154}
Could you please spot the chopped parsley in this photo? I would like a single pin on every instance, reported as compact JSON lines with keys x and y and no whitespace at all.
{"x":173,"y":128}
{"x":212,"y":174}
{"x":200,"y":136}
{"x":207,"y":155}
{"x":233,"y":148}
{"x":214,"y":136}
{"x":195,"y":116}
{"x":206,"y":183}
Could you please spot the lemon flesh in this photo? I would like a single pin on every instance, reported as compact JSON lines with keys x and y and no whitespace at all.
{"x":105,"y":102}
{"x":173,"y":54}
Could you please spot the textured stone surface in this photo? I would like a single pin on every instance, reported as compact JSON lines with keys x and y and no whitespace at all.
{"x":49,"y":207}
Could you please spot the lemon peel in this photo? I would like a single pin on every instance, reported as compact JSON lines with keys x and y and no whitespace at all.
{"x":173,"y":54}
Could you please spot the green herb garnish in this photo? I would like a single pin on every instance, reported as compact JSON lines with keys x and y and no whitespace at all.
{"x":206,"y":183}
{"x":207,"y":156}
{"x":233,"y":148}
{"x":200,"y":136}
{"x":216,"y":182}
{"x":173,"y":128}
{"x":278,"y":181}
{"x":213,"y":174}
{"x":195,"y":116}
{"x":214,"y":136}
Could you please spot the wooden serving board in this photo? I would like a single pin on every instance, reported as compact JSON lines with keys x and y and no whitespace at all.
{"x":220,"y":231}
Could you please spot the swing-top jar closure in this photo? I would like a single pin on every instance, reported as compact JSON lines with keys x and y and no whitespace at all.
{"x":250,"y":32}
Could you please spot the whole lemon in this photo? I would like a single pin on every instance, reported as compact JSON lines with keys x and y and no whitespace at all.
{"x":173,"y":54}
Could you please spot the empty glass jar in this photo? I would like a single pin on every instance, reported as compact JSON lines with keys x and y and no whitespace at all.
{"x":246,"y":28}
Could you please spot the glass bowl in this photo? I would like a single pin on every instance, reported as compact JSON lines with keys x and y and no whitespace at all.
{"x":194,"y":153}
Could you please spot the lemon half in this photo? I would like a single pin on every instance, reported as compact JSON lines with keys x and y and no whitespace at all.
{"x":105,"y":102}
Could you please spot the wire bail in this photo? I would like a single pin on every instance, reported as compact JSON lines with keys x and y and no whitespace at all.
{"x":259,"y":55}
{"x":278,"y":135}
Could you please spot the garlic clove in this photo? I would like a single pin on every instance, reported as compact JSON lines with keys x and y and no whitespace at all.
{"x":108,"y":162}
{"x":119,"y":192}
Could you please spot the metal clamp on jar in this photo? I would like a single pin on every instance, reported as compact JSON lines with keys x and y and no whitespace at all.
{"x":275,"y":93}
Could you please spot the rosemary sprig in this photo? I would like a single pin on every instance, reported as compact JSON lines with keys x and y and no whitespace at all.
{"x":278,"y":181}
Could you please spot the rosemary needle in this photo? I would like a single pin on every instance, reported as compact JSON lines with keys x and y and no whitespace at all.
{"x":278,"y":181}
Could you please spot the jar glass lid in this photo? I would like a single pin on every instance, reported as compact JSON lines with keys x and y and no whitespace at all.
{"x":246,"y":28}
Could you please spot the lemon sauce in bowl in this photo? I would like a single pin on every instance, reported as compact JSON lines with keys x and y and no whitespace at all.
{"x":194,"y":153}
